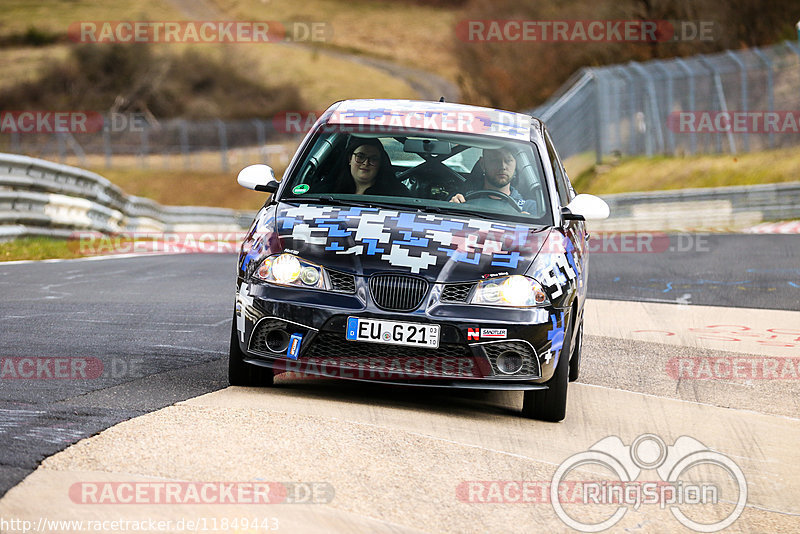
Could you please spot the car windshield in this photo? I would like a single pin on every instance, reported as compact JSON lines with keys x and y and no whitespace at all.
{"x":473,"y":175}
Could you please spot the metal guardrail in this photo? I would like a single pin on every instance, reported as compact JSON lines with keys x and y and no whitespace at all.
{"x":39,"y":197}
{"x":713,"y":208}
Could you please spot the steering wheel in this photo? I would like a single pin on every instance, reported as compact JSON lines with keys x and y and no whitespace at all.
{"x":425,"y":166}
{"x":494,"y":195}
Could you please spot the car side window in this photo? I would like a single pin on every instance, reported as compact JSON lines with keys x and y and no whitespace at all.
{"x":563,"y":186}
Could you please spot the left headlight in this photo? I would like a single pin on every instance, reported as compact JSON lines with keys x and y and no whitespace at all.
{"x":289,"y":270}
{"x":514,"y":290}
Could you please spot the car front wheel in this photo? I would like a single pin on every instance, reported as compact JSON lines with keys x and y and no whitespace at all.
{"x":575,"y":360}
{"x":551,"y":404}
{"x":241,"y":373}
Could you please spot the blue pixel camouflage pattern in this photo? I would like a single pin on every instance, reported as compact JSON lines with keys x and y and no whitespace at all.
{"x":373,"y":239}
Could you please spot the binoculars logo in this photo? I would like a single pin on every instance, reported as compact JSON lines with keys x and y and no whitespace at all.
{"x":672,"y":463}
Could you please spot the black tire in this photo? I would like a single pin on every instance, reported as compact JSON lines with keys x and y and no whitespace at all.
{"x":551,"y":404}
{"x":575,"y":360}
{"x":241,"y":373}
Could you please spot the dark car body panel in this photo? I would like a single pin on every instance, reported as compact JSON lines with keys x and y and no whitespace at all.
{"x":442,"y":249}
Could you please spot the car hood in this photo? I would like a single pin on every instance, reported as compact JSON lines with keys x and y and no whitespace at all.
{"x":364,"y":240}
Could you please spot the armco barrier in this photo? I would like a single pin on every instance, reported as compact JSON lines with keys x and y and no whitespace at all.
{"x":39,"y":197}
{"x":713,"y":208}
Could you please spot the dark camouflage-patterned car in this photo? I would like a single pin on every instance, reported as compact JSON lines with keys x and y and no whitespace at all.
{"x":418,"y":243}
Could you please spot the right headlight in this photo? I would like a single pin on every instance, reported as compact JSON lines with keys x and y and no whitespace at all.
{"x":289,"y":270}
{"x":515,"y":290}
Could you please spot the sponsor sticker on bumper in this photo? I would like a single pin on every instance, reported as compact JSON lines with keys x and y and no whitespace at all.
{"x":494,"y":333}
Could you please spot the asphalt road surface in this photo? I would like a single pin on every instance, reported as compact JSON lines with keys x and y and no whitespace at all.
{"x":152,"y":331}
{"x":158,"y":326}
{"x":747,"y":271}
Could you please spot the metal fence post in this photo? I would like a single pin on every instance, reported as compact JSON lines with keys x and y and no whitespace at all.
{"x":770,"y":90}
{"x":650,"y":99}
{"x":723,"y":105}
{"x":794,"y":47}
{"x":614,"y":124}
{"x":62,"y":148}
{"x":670,"y":134}
{"x":261,"y":137}
{"x":598,"y":119}
{"x":107,"y":150}
{"x":76,"y":147}
{"x":690,"y":76}
{"x":223,"y":144}
{"x":632,"y":124}
{"x":145,"y":148}
{"x":184,"y":140}
{"x":743,"y":83}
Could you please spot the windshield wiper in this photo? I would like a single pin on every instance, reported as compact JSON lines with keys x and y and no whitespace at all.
{"x":464,"y":213}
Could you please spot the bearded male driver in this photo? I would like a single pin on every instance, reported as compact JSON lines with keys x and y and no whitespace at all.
{"x":499,"y":169}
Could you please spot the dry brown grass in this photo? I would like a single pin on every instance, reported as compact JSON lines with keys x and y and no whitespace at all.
{"x":168,"y":182}
{"x":660,"y":173}
{"x":56,"y":16}
{"x":408,"y":33}
{"x":186,"y":188}
{"x":320,"y":80}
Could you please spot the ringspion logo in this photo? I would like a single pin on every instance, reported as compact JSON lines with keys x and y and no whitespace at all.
{"x":691,"y":474}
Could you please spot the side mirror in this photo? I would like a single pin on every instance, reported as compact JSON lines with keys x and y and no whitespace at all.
{"x":258,"y":178}
{"x":585,"y":208}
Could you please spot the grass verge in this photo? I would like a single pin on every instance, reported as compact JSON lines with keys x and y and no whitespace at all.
{"x":37,"y":248}
{"x":186,"y":188}
{"x":409,"y":33}
{"x":665,"y":173}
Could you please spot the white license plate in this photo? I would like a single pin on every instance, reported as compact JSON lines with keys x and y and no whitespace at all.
{"x":393,"y":332}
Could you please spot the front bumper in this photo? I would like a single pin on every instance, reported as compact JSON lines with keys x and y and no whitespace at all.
{"x":271,"y":320}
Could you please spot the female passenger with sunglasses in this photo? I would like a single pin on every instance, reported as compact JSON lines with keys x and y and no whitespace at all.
{"x":368,"y":171}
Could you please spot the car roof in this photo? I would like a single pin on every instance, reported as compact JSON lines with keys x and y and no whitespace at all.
{"x":436,"y":116}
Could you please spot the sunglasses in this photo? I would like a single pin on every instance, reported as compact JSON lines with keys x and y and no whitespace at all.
{"x":361,"y":158}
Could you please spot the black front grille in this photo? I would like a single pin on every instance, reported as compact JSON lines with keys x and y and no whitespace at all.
{"x":456,"y":292}
{"x":397,"y":292}
{"x":342,"y":282}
